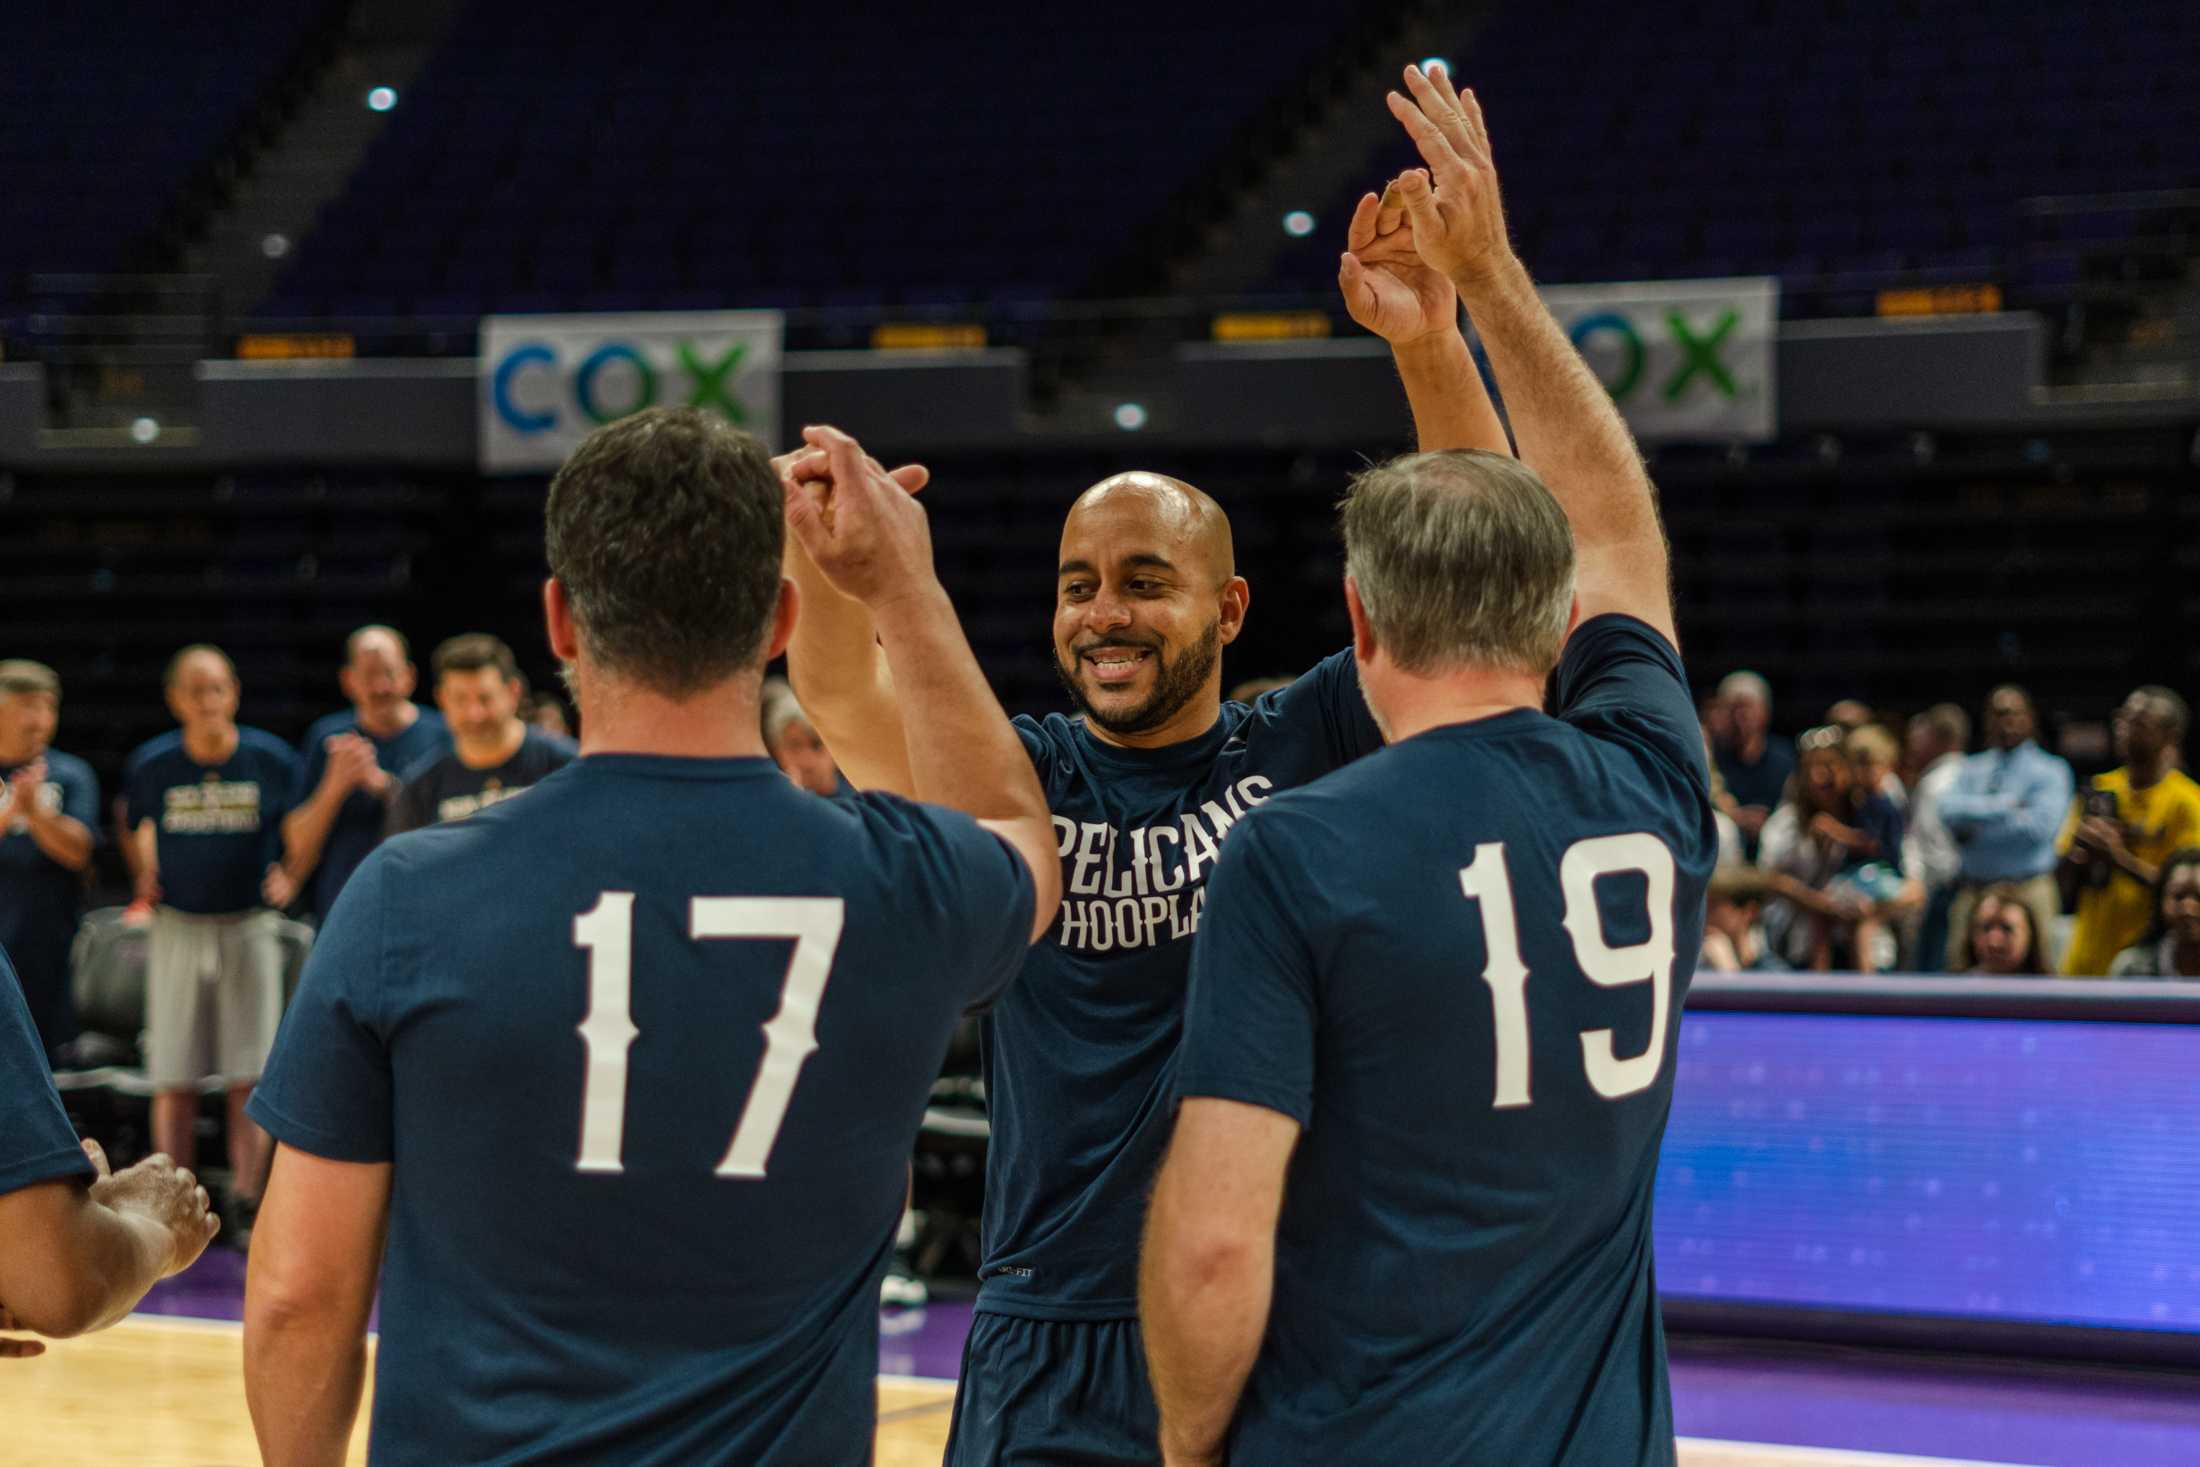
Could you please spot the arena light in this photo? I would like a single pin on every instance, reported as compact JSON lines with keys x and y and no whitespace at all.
{"x":1430,"y":63}
{"x":381,"y":99}
{"x":275,"y":246}
{"x":1130,"y":416}
{"x":144,"y":430}
{"x":1298,"y":224}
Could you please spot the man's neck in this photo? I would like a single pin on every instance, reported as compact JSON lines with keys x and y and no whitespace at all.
{"x":210,"y":746}
{"x":1411,"y":705}
{"x":489,"y":753}
{"x":2146,"y":774}
{"x":404,"y":716}
{"x":1752,"y":747}
{"x":721,"y":722}
{"x":1186,"y":724}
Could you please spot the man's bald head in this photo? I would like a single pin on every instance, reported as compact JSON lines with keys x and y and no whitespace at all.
{"x":1175,"y":515}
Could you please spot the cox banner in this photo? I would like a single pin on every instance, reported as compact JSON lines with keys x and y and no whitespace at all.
{"x":548,"y":381}
{"x":1682,"y":358}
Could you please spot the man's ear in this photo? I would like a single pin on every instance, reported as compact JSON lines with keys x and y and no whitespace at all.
{"x":557,"y":617}
{"x":1364,"y":649}
{"x":1237,"y":596}
{"x":783,"y":619}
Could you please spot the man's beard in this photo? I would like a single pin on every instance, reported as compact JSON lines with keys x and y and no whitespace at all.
{"x":1175,"y":683}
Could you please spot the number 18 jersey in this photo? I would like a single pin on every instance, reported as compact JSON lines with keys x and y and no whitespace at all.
{"x":647,"y":1052}
{"x":1459,"y":965}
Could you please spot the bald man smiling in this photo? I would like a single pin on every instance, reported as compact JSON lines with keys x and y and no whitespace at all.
{"x":1144,"y":784}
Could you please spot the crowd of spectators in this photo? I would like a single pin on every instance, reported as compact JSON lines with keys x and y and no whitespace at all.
{"x":1853,"y":848}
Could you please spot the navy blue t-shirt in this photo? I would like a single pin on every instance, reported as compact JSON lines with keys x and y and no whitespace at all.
{"x":358,"y":826}
{"x":648,"y":1050}
{"x":217,"y":827}
{"x":41,"y":899}
{"x":37,"y":1144}
{"x":1079,"y":1055}
{"x":1460,"y":966}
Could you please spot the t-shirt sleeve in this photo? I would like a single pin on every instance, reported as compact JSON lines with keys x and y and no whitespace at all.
{"x":282,"y":782}
{"x":327,"y":1085}
{"x":138,"y":795}
{"x":1249,"y":1025}
{"x":1887,"y":829}
{"x":37,"y":1144}
{"x":80,"y":798}
{"x":1327,"y":703}
{"x":970,"y":886}
{"x":1621,"y":679}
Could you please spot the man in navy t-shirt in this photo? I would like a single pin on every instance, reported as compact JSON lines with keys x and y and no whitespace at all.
{"x":82,"y":1244}
{"x":205,"y":806}
{"x":1145,"y":786}
{"x":1405,"y":1215}
{"x":351,"y":763}
{"x":492,"y":754}
{"x":49,"y":811}
{"x":628,"y":1071}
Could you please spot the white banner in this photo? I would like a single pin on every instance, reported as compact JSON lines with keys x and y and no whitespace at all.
{"x":1683,"y":359}
{"x":547,"y":382}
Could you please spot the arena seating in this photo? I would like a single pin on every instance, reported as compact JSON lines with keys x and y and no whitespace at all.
{"x":749,"y":156}
{"x":111,"y":111}
{"x":1844,"y":145}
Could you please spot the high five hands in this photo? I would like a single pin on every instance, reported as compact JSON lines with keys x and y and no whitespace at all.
{"x":1456,"y":216}
{"x":859,"y":524}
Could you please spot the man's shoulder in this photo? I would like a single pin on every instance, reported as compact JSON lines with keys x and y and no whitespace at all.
{"x":328,"y":726}
{"x":427,"y":764}
{"x":265,"y":745}
{"x":63,"y":767}
{"x":158,"y":747}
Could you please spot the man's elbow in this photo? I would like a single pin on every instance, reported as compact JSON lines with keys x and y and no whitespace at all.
{"x":1210,"y":1258}
{"x":64,"y":1302}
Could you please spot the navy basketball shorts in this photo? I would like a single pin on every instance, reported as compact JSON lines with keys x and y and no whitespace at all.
{"x":1056,"y":1392}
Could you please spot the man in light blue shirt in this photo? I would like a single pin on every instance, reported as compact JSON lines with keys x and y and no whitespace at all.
{"x":2003,"y":811}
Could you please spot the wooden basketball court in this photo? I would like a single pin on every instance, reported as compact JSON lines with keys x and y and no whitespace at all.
{"x":157,"y":1392}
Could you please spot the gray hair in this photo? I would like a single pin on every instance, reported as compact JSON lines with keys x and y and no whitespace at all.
{"x":778,"y":713}
{"x":21,"y":675}
{"x":1460,"y":558}
{"x":1746,"y":685}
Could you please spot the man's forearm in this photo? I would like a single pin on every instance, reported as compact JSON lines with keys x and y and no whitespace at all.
{"x":1564,"y":421}
{"x":1202,"y":1320}
{"x":962,"y":750}
{"x":840,"y":677}
{"x":65,"y":840}
{"x":302,"y":1379}
{"x":306,"y":829}
{"x":1451,"y":406}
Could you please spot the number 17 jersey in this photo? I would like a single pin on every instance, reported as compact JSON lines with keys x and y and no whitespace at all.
{"x":647,"y":1052}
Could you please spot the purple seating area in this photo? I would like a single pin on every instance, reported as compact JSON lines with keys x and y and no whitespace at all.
{"x":1844,"y":145}
{"x":111,"y":110}
{"x":713,"y":156}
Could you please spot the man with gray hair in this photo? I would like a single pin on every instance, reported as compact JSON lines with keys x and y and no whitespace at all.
{"x":1453,"y":1263}
{"x":1754,"y":762}
{"x":1933,"y":748}
{"x":49,"y":807}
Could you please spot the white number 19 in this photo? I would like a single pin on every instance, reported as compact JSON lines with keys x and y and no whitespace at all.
{"x":606,"y":931}
{"x":1488,"y":884}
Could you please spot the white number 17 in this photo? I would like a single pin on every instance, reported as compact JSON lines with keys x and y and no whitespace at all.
{"x":606,"y":931}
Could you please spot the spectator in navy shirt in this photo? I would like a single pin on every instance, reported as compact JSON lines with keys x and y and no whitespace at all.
{"x":2004,"y":811}
{"x":1754,"y":762}
{"x":49,"y":804}
{"x":352,"y":760}
{"x":205,"y":806}
{"x":82,"y":1244}
{"x":494,"y":753}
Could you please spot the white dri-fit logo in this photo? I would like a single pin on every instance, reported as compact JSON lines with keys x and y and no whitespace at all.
{"x":1140,"y":888}
{"x":211,"y":807}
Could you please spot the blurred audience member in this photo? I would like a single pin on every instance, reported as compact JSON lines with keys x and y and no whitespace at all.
{"x":2003,"y":810}
{"x":1849,"y":715}
{"x":2002,"y":942}
{"x":545,"y":713}
{"x":1839,"y":846}
{"x":1933,"y":749}
{"x":1733,"y":942}
{"x":49,"y":804}
{"x":1872,"y":755}
{"x":206,"y":805}
{"x":494,"y":755}
{"x":1251,"y":689}
{"x":352,"y":760}
{"x":1754,"y":761}
{"x":2171,"y":948}
{"x":795,"y":747}
{"x":2123,"y":824}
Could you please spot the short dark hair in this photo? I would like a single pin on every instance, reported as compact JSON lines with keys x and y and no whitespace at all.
{"x":352,"y":642}
{"x":666,"y":529}
{"x":2177,"y":860}
{"x":472,"y":651}
{"x":185,"y":654}
{"x":2174,"y":712}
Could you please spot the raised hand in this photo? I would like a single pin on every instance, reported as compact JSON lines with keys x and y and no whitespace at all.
{"x":158,"y":1189}
{"x":861,"y":525}
{"x":1458,"y":218}
{"x":352,"y":763}
{"x":1388,"y":287}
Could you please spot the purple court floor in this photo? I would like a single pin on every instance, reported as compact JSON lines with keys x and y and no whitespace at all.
{"x":1858,"y":1400}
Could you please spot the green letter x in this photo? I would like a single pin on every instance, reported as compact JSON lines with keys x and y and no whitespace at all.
{"x":1703,"y":354}
{"x":710,"y":381}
